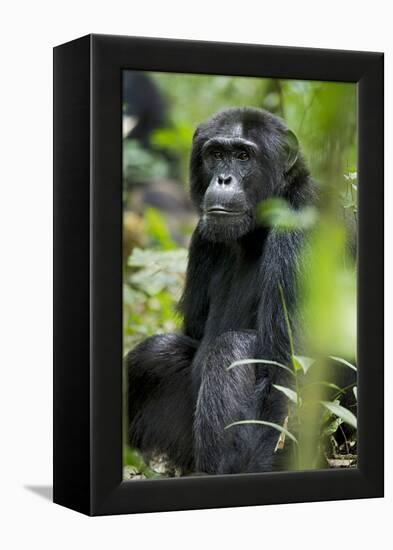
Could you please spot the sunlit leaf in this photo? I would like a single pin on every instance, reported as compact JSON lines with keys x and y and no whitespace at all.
{"x":332,"y":426}
{"x":303,"y":362}
{"x":170,"y":260}
{"x":156,"y":270}
{"x":292,"y":395}
{"x":343,"y":362}
{"x":340,"y":411}
{"x":262,"y":361}
{"x":351,"y":176}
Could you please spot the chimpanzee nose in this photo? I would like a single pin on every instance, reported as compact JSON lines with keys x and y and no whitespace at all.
{"x":223,"y":179}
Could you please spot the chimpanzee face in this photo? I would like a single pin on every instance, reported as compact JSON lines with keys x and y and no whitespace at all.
{"x":239,"y":158}
{"x":231,"y":165}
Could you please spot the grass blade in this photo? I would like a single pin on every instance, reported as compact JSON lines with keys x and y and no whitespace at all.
{"x":262,"y":361}
{"x":265,"y":423}
{"x":343,"y":362}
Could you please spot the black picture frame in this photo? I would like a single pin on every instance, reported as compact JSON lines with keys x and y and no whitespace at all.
{"x":88,"y":274}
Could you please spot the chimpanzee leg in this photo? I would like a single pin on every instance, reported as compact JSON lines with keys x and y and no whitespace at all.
{"x":160,"y":401}
{"x":243,"y":393}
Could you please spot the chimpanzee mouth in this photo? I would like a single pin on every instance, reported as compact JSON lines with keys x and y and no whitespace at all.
{"x":220,"y":211}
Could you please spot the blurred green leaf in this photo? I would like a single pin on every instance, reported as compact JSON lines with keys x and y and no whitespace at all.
{"x":157,"y":229}
{"x":330,"y":385}
{"x":176,"y":138}
{"x":142,"y":165}
{"x":276,"y":213}
{"x":328,"y":301}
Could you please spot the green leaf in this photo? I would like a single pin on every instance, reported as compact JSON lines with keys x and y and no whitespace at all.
{"x":171,"y":260}
{"x":327,"y":414}
{"x":157,"y":229}
{"x":264,"y":423}
{"x":341,"y":412}
{"x":343,"y":362}
{"x":350,"y":176}
{"x":156,"y":270}
{"x":263,"y":361}
{"x":302,"y":362}
{"x":292,"y":395}
{"x":332,"y":427}
{"x":150,"y":473}
{"x":276,"y":212}
{"x":142,"y":165}
{"x":133,"y":458}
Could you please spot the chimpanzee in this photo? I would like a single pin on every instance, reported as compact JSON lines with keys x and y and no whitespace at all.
{"x":144,"y":108}
{"x":181,"y":396}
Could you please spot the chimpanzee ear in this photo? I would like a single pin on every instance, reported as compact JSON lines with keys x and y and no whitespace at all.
{"x":196,"y":133}
{"x":291,"y":147}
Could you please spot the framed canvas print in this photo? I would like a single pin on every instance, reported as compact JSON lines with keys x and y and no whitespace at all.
{"x":218,"y":275}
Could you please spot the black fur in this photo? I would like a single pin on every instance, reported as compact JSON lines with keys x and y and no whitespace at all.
{"x":181,"y":396}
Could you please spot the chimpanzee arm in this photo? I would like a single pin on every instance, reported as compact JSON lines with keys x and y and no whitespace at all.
{"x":194,"y":304}
{"x":280,"y":267}
{"x":229,"y":396}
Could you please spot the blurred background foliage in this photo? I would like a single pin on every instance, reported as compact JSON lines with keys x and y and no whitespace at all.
{"x":160,"y":114}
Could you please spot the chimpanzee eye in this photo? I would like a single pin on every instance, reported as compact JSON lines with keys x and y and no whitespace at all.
{"x":217,"y":155}
{"x":243,"y":155}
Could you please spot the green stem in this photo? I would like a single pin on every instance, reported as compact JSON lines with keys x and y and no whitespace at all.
{"x":290,"y":336}
{"x":344,"y":389}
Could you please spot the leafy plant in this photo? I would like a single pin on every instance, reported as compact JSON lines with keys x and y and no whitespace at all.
{"x":134,"y":464}
{"x":151,"y":289}
{"x":311,"y":419}
{"x":157,"y":229}
{"x":323,"y":116}
{"x":142,"y":165}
